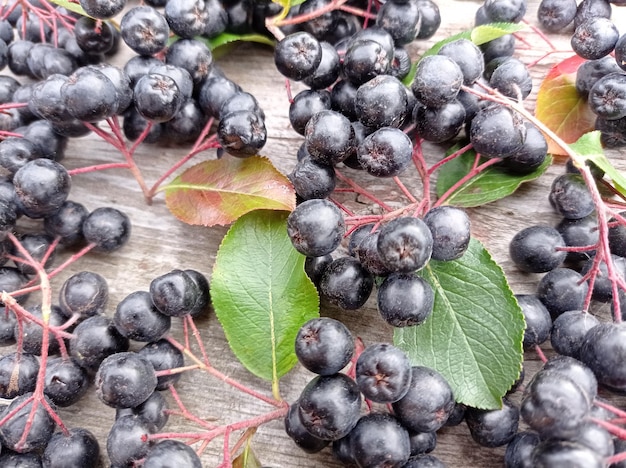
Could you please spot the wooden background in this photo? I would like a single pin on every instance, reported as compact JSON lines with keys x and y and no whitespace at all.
{"x":160,"y":243}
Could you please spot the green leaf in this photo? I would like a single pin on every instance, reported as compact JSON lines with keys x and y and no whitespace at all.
{"x":589,"y":147}
{"x":560,"y":107}
{"x":217,"y":192}
{"x":474,"y":335}
{"x":478,"y":35}
{"x":71,"y":6}
{"x":261,"y":294}
{"x":492,"y":183}
{"x":227,"y":38}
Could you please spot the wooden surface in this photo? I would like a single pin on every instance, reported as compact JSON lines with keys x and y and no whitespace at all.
{"x":160,"y":243}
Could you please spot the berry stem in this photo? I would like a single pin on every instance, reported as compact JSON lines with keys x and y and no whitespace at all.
{"x":449,"y":158}
{"x":361,"y":191}
{"x":219,"y":375}
{"x":466,"y":178}
{"x":407,"y":193}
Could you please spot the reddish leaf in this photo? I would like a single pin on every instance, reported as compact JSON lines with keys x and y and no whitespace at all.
{"x":220,"y":191}
{"x":560,"y":107}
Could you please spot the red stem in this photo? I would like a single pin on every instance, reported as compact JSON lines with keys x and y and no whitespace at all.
{"x":466,"y":178}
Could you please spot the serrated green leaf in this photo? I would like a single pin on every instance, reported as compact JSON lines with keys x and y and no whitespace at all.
{"x":261,"y":294}
{"x":491,"y":184}
{"x":474,"y":335}
{"x":71,"y":6}
{"x":217,"y":192}
{"x":589,"y":147}
{"x":478,"y":35}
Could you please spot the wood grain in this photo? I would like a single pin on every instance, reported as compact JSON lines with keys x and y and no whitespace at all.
{"x":160,"y":243}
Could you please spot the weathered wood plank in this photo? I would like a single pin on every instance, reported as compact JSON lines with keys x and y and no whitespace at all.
{"x":160,"y":243}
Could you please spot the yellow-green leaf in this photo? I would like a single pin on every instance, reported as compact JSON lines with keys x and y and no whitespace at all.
{"x":217,"y":192}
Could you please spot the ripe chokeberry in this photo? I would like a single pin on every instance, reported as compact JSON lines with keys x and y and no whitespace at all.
{"x":324,"y":346}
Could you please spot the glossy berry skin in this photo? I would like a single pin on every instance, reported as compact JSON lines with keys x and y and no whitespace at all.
{"x":493,"y":428}
{"x":428,"y":403}
{"x":144,"y":30}
{"x":385,"y":152}
{"x":537,"y":318}
{"x":555,"y":15}
{"x":102,"y":9}
{"x":312,"y":179}
{"x":379,"y":440}
{"x":298,"y":433}
{"x":171,"y":453}
{"x":438,"y":80}
{"x":439,"y":124}
{"x":617,"y":238}
{"x":381,"y":102}
{"x":346,"y":284}
{"x":108,"y":228}
{"x":467,"y":56}
{"x":65,"y":381}
{"x":575,"y":370}
{"x":37,"y":245}
{"x":324,"y":345}
{"x":365,"y":59}
{"x":12,"y":430}
{"x":511,"y":11}
{"x":602,"y":285}
{"x":242,"y":133}
{"x":67,"y":223}
{"x":314,"y":267}
{"x":519,"y":450}
{"x":329,"y":137}
{"x":32,"y":333}
{"x":579,"y":233}
{"x":568,"y":332}
{"x":163,"y":355}
{"x":84,"y":293}
{"x":551,"y":453}
{"x":125,"y":442}
{"x":497,"y":132}
{"x":192,"y":55}
{"x":305,"y":104}
{"x":137,"y":318}
{"x":315,"y":227}
{"x":367,"y":253}
{"x":531,"y":155}
{"x":79,"y":448}
{"x":125,"y":380}
{"x":561,"y":290}
{"x":534,"y":249}
{"x":153,"y":410}
{"x":328,"y":69}
{"x":298,"y":55}
{"x":602,"y":351}
{"x":405,"y":300}
{"x":41,"y":187}
{"x":591,"y":71}
{"x":607,"y":97}
{"x":570,"y":197}
{"x":383,"y":373}
{"x":187,"y":18}
{"x":157,"y":97}
{"x":450,"y":228}
{"x":18,"y":374}
{"x":93,"y":340}
{"x":405,"y":244}
{"x":512,"y":78}
{"x":21,"y":460}
{"x":174,"y":293}
{"x":554,"y":405}
{"x":329,"y":406}
{"x":89,"y":95}
{"x":400,"y":19}
{"x":594,"y":38}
